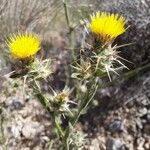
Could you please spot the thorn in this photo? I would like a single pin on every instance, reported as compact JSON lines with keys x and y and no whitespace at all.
{"x":108,"y":72}
{"x":125,"y":59}
{"x":124,"y":45}
{"x":114,"y":71}
{"x":122,"y":64}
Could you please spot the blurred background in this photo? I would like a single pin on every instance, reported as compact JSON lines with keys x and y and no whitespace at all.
{"x":120,"y":116}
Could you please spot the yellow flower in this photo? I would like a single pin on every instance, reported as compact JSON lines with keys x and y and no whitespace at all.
{"x":23,"y":45}
{"x":107,"y":26}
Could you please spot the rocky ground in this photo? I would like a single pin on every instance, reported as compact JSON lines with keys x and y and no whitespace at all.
{"x":124,"y":123}
{"x":120,"y":121}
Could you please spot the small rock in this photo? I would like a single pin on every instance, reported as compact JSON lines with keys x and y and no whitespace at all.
{"x":1,"y":148}
{"x":17,"y":105}
{"x":145,"y":101}
{"x":15,"y":131}
{"x":139,"y":123}
{"x":114,"y":144}
{"x":147,"y":129}
{"x":102,"y":142}
{"x":116,"y":126}
{"x":142,"y":112}
{"x":14,"y":104}
{"x":45,"y":138}
{"x":94,"y":145}
{"x":26,"y":148}
{"x":147,"y":146}
{"x":148,"y":116}
{"x":30,"y":130}
{"x":140,"y":143}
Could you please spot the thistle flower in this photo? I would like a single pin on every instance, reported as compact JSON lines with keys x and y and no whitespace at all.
{"x":23,"y":45}
{"x":107,"y":26}
{"x":83,"y":70}
{"x":59,"y":101}
{"x":40,"y":69}
{"x":77,"y":138}
{"x":104,"y":61}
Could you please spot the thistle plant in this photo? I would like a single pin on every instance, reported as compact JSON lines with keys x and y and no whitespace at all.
{"x":73,"y":101}
{"x":104,"y":27}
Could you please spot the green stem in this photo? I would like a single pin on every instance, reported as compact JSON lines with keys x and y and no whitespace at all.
{"x":66,"y":144}
{"x":43,"y":101}
{"x":66,"y":14}
{"x":2,"y":138}
{"x":85,"y":103}
{"x":58,"y":126}
{"x":71,"y":29}
{"x":39,"y":95}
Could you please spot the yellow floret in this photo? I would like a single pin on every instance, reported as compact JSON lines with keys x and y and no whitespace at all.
{"x":107,"y":26}
{"x":23,"y":45}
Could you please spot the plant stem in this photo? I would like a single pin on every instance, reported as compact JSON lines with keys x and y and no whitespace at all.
{"x":43,"y":101}
{"x":57,"y":125}
{"x":2,"y":137}
{"x":83,"y":106}
{"x":66,"y":144}
{"x":66,"y":14}
{"x":85,"y":103}
{"x":71,"y":29}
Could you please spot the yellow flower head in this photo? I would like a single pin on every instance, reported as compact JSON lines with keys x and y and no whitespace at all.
{"x":107,"y":26}
{"x":23,"y":45}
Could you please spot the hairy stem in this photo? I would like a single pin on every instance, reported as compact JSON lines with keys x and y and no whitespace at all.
{"x":43,"y":101}
{"x":71,"y":30}
{"x":57,"y":125}
{"x":86,"y":102}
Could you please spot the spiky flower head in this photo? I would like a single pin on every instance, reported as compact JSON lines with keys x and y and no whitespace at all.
{"x":59,"y":101}
{"x":107,"y":26}
{"x":23,"y":45}
{"x":40,"y":69}
{"x":82,"y":70}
